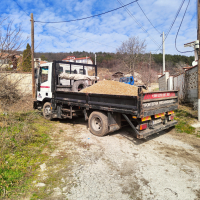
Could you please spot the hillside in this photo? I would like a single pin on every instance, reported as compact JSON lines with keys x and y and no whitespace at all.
{"x":112,"y":62}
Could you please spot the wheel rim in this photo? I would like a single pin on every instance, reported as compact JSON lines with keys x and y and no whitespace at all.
{"x":96,"y":124}
{"x":47,"y":111}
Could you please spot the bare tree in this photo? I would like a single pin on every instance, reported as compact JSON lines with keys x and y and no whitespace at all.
{"x":10,"y":42}
{"x":130,"y":52}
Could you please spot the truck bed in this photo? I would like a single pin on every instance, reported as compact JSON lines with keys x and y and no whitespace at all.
{"x":145,"y":104}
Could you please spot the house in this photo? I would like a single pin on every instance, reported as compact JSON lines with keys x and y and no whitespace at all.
{"x":4,"y":60}
{"x":38,"y":62}
{"x":8,"y":60}
{"x":84,"y":60}
{"x":69,"y":59}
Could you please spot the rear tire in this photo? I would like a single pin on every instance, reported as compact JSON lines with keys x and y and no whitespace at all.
{"x":98,"y":123}
{"x":47,"y":111}
{"x":79,"y":85}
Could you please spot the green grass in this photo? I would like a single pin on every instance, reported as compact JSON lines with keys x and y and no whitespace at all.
{"x":184,"y":119}
{"x":23,"y":137}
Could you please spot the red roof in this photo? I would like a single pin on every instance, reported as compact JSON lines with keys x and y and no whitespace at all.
{"x":69,"y":58}
{"x":42,"y":62}
{"x":82,"y":58}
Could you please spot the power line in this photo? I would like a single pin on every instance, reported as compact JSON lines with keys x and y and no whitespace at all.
{"x":21,"y":8}
{"x":139,"y":24}
{"x":148,"y":18}
{"x":172,"y":24}
{"x":179,"y":30}
{"x":89,"y":16}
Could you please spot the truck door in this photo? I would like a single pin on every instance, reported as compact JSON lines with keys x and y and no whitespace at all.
{"x":44,"y":87}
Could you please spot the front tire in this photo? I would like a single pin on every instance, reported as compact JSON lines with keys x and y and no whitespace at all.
{"x":98,"y":123}
{"x":47,"y":111}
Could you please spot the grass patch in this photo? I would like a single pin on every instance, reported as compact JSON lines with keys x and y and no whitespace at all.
{"x":185,"y":119}
{"x":56,"y":167}
{"x":23,"y":137}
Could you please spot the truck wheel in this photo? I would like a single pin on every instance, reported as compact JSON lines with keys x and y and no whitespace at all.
{"x":98,"y":123}
{"x":79,"y":85}
{"x":47,"y":110}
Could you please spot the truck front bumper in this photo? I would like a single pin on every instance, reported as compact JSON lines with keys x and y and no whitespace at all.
{"x":156,"y":129}
{"x":37,"y":105}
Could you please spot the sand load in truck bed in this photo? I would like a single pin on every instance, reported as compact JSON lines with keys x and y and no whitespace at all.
{"x":112,"y":87}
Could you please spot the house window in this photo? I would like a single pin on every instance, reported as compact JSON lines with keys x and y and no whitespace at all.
{"x":81,"y":71}
{"x":72,"y":71}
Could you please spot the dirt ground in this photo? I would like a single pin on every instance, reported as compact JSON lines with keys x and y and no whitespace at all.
{"x":119,"y":166}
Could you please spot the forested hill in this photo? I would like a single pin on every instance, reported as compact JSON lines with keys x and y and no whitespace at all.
{"x":158,"y":58}
{"x":104,"y":57}
{"x":112,"y":61}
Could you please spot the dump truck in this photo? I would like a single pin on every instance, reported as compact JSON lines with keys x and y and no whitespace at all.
{"x":147,"y":113}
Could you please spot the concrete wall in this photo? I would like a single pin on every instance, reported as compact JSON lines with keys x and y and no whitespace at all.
{"x":179,"y":84}
{"x":22,"y":80}
{"x":170,"y":83}
{"x":162,"y":81}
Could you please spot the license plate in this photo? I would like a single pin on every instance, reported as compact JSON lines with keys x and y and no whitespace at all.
{"x":158,"y":121}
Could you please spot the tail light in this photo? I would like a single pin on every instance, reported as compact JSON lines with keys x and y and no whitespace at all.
{"x":171,"y":117}
{"x":142,"y":126}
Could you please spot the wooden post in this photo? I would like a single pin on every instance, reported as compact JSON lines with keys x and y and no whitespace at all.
{"x":32,"y":56}
{"x":198,"y":37}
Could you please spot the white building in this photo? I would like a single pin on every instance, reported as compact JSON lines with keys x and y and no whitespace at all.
{"x":86,"y":60}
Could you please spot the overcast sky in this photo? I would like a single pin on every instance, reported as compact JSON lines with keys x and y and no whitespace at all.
{"x":106,"y":32}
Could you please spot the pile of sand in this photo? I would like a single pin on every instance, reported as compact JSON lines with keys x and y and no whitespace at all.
{"x":112,"y":87}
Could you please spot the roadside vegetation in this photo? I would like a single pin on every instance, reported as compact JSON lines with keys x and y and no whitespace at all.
{"x":23,"y":138}
{"x":186,"y":116}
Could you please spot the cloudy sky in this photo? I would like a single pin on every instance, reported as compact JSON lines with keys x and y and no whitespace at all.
{"x":105,"y":32}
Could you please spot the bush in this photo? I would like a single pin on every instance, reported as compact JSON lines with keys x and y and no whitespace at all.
{"x":9,"y":93}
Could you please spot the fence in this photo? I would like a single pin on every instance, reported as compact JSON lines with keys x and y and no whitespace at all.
{"x":186,"y":83}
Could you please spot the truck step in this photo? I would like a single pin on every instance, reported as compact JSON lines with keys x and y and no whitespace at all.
{"x":73,"y":111}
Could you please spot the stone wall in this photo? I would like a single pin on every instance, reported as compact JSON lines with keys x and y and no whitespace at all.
{"x":191,"y":77}
{"x":22,"y":80}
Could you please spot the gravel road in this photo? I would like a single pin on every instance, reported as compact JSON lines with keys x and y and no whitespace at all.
{"x":118,"y":166}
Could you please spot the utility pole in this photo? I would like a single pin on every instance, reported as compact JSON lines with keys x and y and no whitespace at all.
{"x":32,"y":56}
{"x":95,"y":59}
{"x":150,"y":71}
{"x":163,"y":48}
{"x":198,"y":37}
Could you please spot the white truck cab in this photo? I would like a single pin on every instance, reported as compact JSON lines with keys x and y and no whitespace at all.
{"x":44,"y":80}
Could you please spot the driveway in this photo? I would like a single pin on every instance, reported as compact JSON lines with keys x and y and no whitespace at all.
{"x":119,"y":166}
